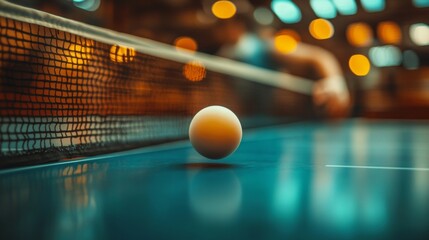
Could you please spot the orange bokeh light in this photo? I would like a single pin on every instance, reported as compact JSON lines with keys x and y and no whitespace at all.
{"x":321,"y":29}
{"x":286,"y":40}
{"x":78,"y":54}
{"x":122,"y":54}
{"x":359,"y":65}
{"x":359,"y":34}
{"x":389,"y":32}
{"x":186,"y":43}
{"x":224,"y":9}
{"x":194,"y":71}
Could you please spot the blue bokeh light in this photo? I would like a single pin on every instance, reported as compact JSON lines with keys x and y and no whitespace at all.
{"x":373,"y":5}
{"x":323,"y":8}
{"x":411,"y":59}
{"x":346,"y":7}
{"x":88,"y":5}
{"x":286,"y":10}
{"x":385,"y":56}
{"x":421,"y":3}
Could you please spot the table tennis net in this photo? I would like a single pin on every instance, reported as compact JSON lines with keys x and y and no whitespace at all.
{"x":65,"y":95}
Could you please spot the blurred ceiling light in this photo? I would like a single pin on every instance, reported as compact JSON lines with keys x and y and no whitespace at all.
{"x":263,"y":16}
{"x":194,"y":71}
{"x":359,"y":65}
{"x":385,"y":56}
{"x":346,"y":7}
{"x":249,"y":47}
{"x":186,"y":43}
{"x":421,"y":3}
{"x":410,"y":59}
{"x":323,"y":8}
{"x":122,"y":54}
{"x":373,"y":5}
{"x":224,"y":9}
{"x":285,"y":43}
{"x":389,"y":32}
{"x":286,"y":11}
{"x":321,"y":29}
{"x":419,"y":34}
{"x":88,"y":5}
{"x":79,"y":54}
{"x":359,"y":34}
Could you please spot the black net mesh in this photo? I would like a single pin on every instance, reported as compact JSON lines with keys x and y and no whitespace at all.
{"x":64,"y":96}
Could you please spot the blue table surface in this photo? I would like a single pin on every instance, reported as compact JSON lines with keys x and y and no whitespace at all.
{"x":357,"y":179}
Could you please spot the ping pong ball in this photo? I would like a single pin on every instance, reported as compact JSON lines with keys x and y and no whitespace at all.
{"x":215,"y":132}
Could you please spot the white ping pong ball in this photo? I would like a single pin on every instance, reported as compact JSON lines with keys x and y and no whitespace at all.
{"x":215,"y":132}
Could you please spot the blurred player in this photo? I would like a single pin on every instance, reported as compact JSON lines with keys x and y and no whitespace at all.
{"x":256,"y":47}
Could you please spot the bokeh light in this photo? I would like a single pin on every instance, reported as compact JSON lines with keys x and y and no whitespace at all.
{"x":87,"y":5}
{"x":286,"y":41}
{"x":286,"y":11}
{"x":359,"y":34}
{"x":186,"y":43}
{"x":263,"y":16}
{"x":385,"y":56}
{"x":419,"y":34}
{"x":321,"y":29}
{"x":323,"y":8}
{"x":346,"y":7}
{"x":373,"y":5}
{"x":194,"y":71}
{"x":224,"y":9}
{"x":410,"y":59}
{"x":421,"y":3}
{"x":359,"y":65}
{"x":79,"y":54}
{"x":122,"y":54}
{"x":389,"y":32}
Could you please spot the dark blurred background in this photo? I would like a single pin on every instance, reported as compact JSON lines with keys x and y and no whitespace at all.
{"x":382,"y":45}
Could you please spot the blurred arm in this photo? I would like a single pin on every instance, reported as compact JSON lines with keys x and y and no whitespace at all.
{"x":330,"y":91}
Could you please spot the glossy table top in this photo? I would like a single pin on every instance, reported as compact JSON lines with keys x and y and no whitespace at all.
{"x":351,"y":180}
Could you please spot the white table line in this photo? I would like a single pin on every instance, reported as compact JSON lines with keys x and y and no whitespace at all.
{"x":378,"y":167}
